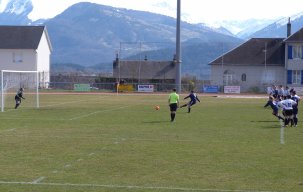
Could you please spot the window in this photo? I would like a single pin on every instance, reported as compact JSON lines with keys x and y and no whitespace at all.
{"x":243,"y":77}
{"x":296,"y":77}
{"x":228,"y":77}
{"x":17,"y":57}
{"x":297,"y":52}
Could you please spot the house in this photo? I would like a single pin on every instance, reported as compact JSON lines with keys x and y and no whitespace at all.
{"x":145,"y":70}
{"x":144,"y":73}
{"x":26,"y":48}
{"x":262,"y":62}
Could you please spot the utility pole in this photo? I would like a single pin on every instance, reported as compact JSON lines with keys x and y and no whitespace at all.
{"x":178,"y":47}
{"x":265,"y":64}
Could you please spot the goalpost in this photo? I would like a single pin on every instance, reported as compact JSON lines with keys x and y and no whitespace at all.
{"x":12,"y":81}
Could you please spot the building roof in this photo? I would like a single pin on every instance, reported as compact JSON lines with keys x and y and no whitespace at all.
{"x":296,"y":37}
{"x":20,"y":37}
{"x":145,"y":69}
{"x":253,"y":52}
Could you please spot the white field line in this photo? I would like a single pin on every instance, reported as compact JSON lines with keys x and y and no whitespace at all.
{"x":70,"y":102}
{"x":282,"y":132}
{"x":128,"y":187}
{"x":115,"y":139}
{"x":8,"y":130}
{"x":11,"y":129}
{"x":38,"y":180}
{"x":244,"y":96}
{"x":46,"y":119}
{"x":64,"y":103}
{"x":21,"y":108}
{"x":100,"y":111}
{"x":57,"y":104}
{"x":40,"y":119}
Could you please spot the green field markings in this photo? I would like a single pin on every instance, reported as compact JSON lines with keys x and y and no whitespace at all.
{"x":121,"y":143}
{"x":115,"y":140}
{"x":64,"y":103}
{"x":7,"y":130}
{"x":11,"y":130}
{"x":127,"y":187}
{"x":38,"y":180}
{"x":100,"y":111}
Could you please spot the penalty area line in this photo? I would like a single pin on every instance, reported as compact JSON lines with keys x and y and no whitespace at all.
{"x":96,"y":112}
{"x":282,"y":141}
{"x":8,"y":130}
{"x":36,"y":181}
{"x":126,"y":187}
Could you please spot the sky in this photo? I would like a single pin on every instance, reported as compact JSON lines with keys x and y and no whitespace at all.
{"x":193,"y":11}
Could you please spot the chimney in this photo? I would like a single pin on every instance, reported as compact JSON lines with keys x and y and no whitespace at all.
{"x":288,"y":28}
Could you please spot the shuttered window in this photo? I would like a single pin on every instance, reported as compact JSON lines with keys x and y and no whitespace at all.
{"x":289,"y":77}
{"x":289,"y":52}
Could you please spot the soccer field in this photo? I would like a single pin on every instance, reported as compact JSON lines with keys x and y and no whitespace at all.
{"x":109,"y":142}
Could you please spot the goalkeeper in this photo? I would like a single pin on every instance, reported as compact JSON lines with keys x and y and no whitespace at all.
{"x":18,"y":97}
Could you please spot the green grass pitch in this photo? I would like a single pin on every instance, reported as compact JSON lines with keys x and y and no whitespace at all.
{"x":111,"y":142}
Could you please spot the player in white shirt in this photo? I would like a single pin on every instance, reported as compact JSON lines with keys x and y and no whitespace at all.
{"x":280,"y":92}
{"x":287,"y":110}
{"x":286,"y":92}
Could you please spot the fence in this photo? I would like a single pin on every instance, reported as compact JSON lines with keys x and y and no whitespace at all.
{"x":112,"y":87}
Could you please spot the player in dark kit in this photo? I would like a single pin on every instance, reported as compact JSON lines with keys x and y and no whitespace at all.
{"x":18,"y":97}
{"x":193,"y":100}
{"x":296,"y":98}
{"x":274,"y":105}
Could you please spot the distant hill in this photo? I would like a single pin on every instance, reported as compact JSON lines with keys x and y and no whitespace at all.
{"x":86,"y":37}
{"x":90,"y":34}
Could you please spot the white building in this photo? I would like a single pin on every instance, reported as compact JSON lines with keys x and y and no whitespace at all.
{"x":262,"y":62}
{"x":26,"y":48}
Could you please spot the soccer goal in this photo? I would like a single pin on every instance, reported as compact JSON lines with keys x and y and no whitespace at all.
{"x":12,"y":81}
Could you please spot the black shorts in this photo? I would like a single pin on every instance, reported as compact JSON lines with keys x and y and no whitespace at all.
{"x":288,"y":112}
{"x":295,"y":111}
{"x":191,"y":103}
{"x":18,"y":100}
{"x":173,"y":106}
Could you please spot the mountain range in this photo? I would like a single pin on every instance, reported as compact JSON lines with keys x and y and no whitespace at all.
{"x":16,"y":12}
{"x":87,"y":36}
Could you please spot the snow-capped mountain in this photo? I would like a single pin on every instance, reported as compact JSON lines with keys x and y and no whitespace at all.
{"x":278,"y":28}
{"x":243,"y":29}
{"x":18,"y":7}
{"x":15,"y":12}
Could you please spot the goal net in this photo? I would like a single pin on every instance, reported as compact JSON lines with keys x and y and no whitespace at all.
{"x":12,"y":81}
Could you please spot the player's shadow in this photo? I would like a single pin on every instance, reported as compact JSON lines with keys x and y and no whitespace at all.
{"x":262,"y":121}
{"x":272,"y":126}
{"x":155,"y":122}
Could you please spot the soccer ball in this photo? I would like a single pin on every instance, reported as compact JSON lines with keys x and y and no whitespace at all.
{"x":157,"y":107}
